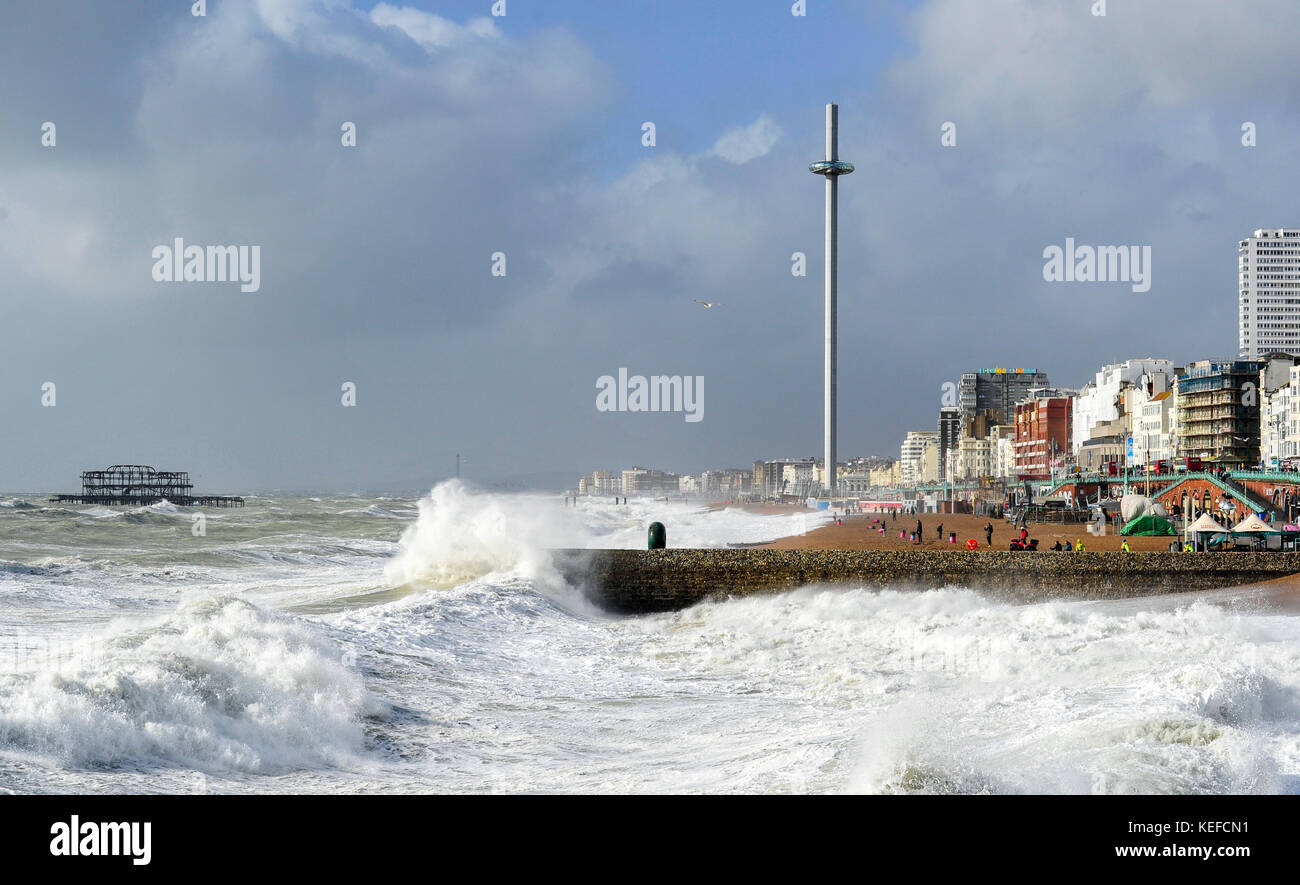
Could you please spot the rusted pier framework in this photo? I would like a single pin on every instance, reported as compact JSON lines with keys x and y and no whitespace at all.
{"x":141,"y":485}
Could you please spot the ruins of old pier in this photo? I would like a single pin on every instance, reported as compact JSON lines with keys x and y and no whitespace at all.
{"x":141,"y":485}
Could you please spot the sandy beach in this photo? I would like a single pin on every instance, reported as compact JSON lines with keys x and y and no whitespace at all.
{"x":859,"y":533}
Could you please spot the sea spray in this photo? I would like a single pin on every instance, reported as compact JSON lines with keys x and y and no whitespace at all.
{"x":460,"y":535}
{"x":463,"y":534}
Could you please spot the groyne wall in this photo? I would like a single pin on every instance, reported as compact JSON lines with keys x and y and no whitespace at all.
{"x":643,"y":581}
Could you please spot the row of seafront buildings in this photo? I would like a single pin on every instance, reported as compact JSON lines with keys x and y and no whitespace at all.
{"x":644,"y":481}
{"x":1138,"y":414}
{"x":1242,"y":413}
{"x":782,"y":478}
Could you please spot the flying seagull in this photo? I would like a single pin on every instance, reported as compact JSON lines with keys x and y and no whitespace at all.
{"x":707,"y":303}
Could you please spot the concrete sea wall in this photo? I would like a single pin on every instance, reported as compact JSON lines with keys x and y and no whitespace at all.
{"x":642,"y":581}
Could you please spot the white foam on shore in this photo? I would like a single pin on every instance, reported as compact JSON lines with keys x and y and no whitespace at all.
{"x":218,"y":685}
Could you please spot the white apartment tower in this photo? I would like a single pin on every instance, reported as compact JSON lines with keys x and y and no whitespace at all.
{"x":1269,"y":269}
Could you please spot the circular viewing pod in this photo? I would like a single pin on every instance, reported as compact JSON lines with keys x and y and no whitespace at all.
{"x":830,"y":167}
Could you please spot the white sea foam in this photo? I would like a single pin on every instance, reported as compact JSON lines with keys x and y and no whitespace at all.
{"x":17,"y":504}
{"x":220,"y":685}
{"x":481,"y":673}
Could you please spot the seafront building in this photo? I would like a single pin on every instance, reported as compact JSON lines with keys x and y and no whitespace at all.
{"x":1102,"y":399}
{"x":1107,"y":445}
{"x":1151,"y":405}
{"x":1269,"y":293}
{"x":887,"y":476}
{"x":724,"y":483}
{"x":928,"y":467}
{"x":974,"y":459}
{"x":1279,"y":423}
{"x":800,"y":478}
{"x":912,"y":455}
{"x":1004,"y":451}
{"x":975,"y":454}
{"x":643,"y":481}
{"x":768,"y":477}
{"x":784,"y":476}
{"x":859,"y":484}
{"x":1043,"y":428}
{"x":995,"y":392}
{"x":1216,"y":419}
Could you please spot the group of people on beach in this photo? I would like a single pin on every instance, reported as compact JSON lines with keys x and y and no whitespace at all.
{"x":917,"y":536}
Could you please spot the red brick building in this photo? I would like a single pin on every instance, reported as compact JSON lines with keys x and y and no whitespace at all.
{"x":1044,"y":429}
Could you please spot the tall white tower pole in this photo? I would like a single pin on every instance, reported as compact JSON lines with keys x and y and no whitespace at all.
{"x":832,"y":169}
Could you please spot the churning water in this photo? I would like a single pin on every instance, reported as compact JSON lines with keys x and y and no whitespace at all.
{"x":382,"y":644}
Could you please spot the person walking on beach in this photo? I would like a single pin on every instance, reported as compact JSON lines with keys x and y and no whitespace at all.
{"x":919,"y":532}
{"x":939,"y":532}
{"x":988,"y":534}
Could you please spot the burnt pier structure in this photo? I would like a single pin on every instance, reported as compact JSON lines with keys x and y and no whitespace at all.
{"x":141,"y":485}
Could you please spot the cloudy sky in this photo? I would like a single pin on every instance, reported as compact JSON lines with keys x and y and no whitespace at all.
{"x":523,"y":135}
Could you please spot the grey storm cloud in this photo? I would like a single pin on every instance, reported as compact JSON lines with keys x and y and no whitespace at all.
{"x":376,"y":261}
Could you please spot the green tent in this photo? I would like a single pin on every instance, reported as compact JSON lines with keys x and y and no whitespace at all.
{"x":1149,"y":525}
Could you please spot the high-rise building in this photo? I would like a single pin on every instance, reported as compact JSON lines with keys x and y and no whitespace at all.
{"x":1269,"y":294}
{"x":995,"y":392}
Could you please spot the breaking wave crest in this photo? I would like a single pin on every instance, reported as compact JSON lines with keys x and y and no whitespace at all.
{"x":460,"y":536}
{"x":220,"y":685}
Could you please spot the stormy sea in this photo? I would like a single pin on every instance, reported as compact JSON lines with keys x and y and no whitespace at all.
{"x":384,"y":644}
